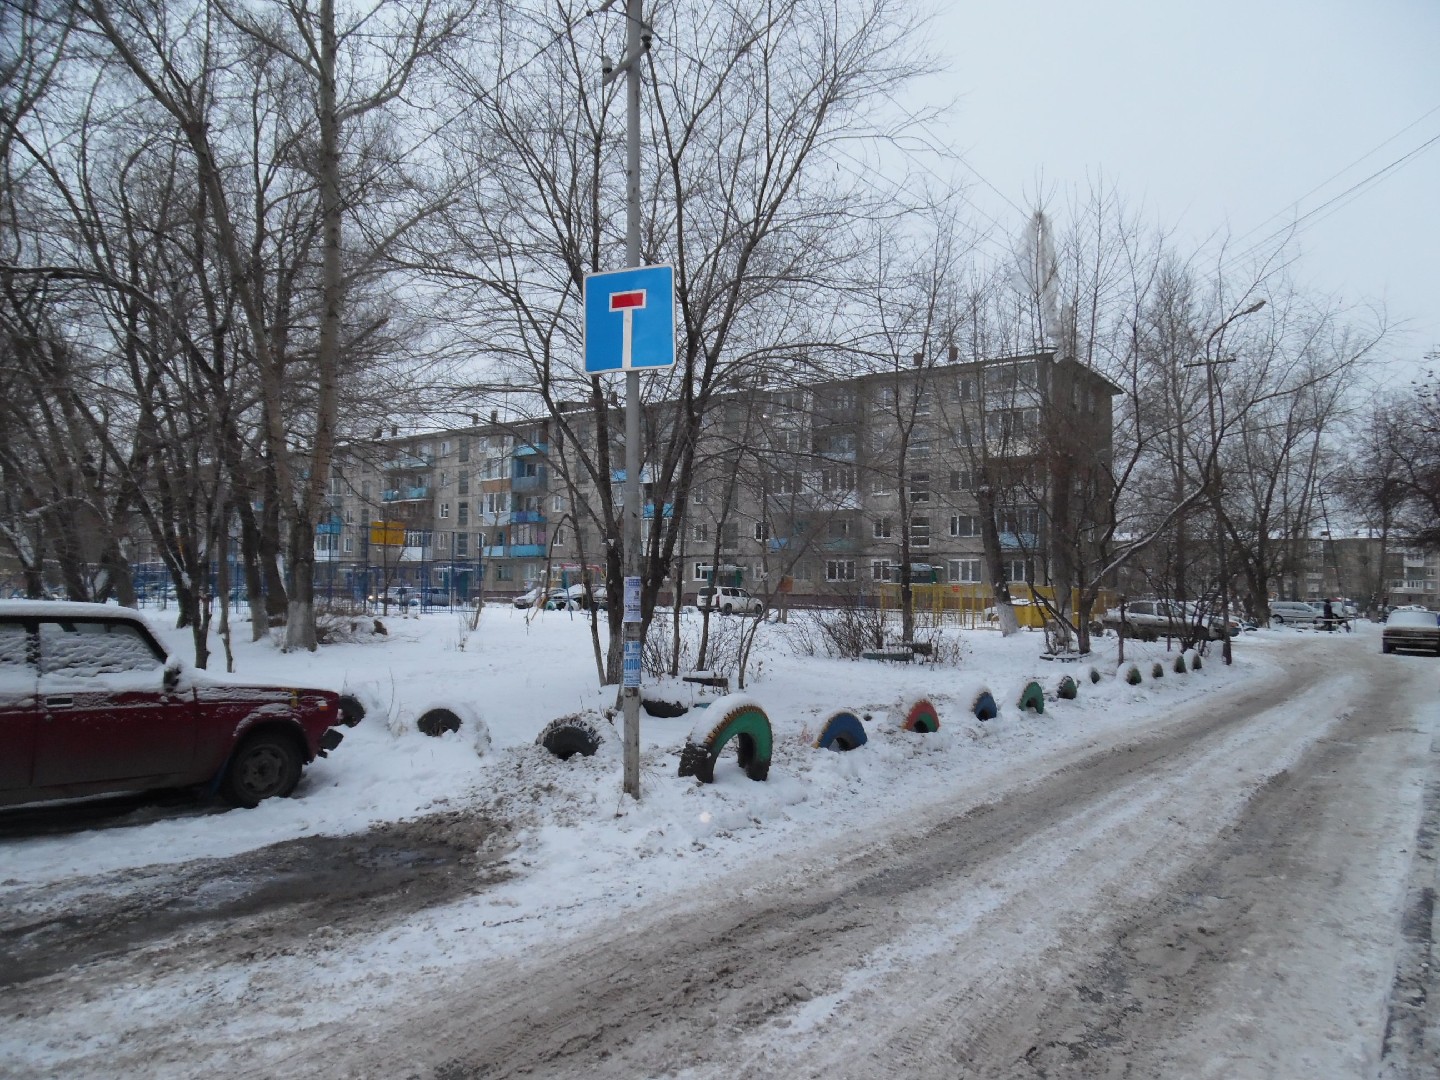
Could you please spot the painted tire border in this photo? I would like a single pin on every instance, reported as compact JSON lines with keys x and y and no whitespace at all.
{"x":921,"y":716}
{"x":1067,"y":689}
{"x":842,"y":731}
{"x":1032,"y":697}
{"x":984,"y":706}
{"x":749,"y":727}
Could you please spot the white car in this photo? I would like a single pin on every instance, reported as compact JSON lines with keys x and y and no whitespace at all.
{"x":1293,"y":613}
{"x":729,"y":600}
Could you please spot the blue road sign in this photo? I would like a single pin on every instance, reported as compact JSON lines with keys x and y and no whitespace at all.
{"x":630,"y":319}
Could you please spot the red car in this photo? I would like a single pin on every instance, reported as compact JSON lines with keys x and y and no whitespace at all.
{"x":90,"y":703}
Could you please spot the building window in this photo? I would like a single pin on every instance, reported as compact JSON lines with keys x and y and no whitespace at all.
{"x":700,"y":531}
{"x":1017,"y":570}
{"x":921,"y":443}
{"x":462,"y":517}
{"x":838,"y":478}
{"x":877,"y":569}
{"x":442,"y":540}
{"x":557,"y":504}
{"x":886,"y":397}
{"x":762,"y":530}
{"x":881,"y":484}
{"x":444,"y":510}
{"x":784,"y":483}
{"x":462,"y":544}
{"x":962,"y":390}
{"x":962,"y":480}
{"x":349,"y":515}
{"x":922,"y":403}
{"x":349,"y":543}
{"x":730,"y":534}
{"x":464,"y":448}
{"x":881,"y":528}
{"x":919,"y":487}
{"x":840,"y":570}
{"x":964,"y":525}
{"x":919,"y":532}
{"x":966,"y":570}
{"x":464,"y":482}
{"x":839,"y":529}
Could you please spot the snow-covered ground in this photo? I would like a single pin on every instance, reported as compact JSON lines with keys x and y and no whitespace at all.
{"x":517,"y":673}
{"x":576,"y":850}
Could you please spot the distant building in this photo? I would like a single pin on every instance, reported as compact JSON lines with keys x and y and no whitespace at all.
{"x":822,"y":485}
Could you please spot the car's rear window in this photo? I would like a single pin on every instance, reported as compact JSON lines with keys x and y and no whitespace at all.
{"x":16,"y":671}
{"x":1412,"y":618}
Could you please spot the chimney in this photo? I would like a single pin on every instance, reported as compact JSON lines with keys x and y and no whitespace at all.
{"x":494,"y":416}
{"x":954,"y":354}
{"x":919,"y":359}
{"x":474,"y":419}
{"x":394,"y":430}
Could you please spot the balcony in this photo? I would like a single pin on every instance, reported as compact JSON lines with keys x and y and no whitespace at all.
{"x":530,"y":483}
{"x":494,"y":551}
{"x":494,"y":517}
{"x":405,"y":494}
{"x":527,"y":551}
{"x":530,"y":449}
{"x":402,"y":461}
{"x":649,"y":511}
{"x":845,"y":544}
{"x":523,"y":517}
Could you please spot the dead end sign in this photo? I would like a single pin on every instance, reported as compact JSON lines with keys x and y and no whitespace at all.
{"x":630,"y":319}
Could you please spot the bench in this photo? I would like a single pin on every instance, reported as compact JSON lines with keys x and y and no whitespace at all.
{"x":893,"y":655}
{"x":714,"y":682}
{"x":919,"y":648}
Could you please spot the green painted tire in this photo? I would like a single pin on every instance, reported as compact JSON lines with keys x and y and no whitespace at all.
{"x":1032,"y":698}
{"x":749,"y":727}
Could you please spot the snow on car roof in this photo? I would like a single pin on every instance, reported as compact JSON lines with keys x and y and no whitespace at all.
{"x":59,"y":609}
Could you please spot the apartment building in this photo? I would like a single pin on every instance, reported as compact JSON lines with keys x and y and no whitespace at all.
{"x":1371,"y":572}
{"x":812,"y":490}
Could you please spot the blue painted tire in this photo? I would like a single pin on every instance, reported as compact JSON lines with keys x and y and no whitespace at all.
{"x":843,"y":731}
{"x":985,"y":707}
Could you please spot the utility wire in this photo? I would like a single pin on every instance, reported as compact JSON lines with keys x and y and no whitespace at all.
{"x":1347,"y":195}
{"x":1329,"y":179}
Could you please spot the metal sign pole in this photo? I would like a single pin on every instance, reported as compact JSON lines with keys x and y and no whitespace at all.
{"x":630,"y":692}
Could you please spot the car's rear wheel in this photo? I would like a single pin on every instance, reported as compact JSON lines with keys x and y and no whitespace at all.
{"x":267,"y":765}
{"x":728,"y":610}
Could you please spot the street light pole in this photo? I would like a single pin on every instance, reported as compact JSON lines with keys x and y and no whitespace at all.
{"x":1212,"y":473}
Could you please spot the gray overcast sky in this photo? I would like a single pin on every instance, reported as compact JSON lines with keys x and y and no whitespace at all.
{"x":1218,"y":117}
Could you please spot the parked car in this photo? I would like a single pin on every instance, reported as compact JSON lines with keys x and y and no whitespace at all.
{"x":1150,"y":619}
{"x":1411,"y":630}
{"x":398,"y":597}
{"x":528,"y":598}
{"x":1294,"y":613}
{"x":729,"y":600}
{"x":92,"y":704}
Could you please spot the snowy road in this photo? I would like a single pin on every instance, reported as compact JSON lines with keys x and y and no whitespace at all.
{"x":1244,"y":888}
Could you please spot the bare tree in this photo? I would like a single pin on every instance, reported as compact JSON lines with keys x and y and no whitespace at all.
{"x":746,"y":110}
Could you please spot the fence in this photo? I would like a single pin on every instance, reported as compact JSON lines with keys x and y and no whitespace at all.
{"x":972,"y":605}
